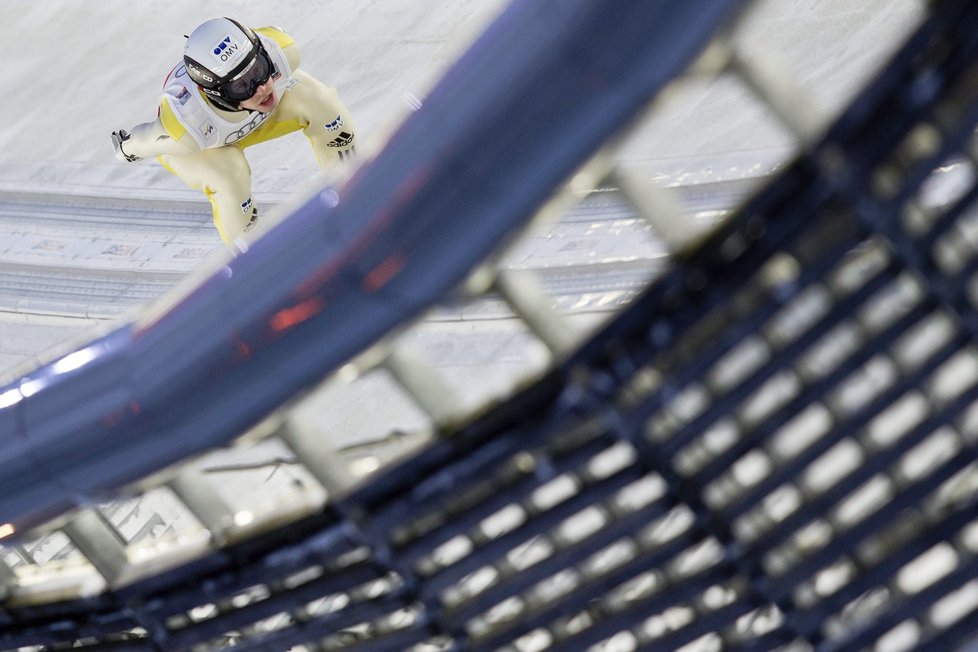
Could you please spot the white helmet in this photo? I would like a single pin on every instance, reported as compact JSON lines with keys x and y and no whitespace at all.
{"x":227,"y":61}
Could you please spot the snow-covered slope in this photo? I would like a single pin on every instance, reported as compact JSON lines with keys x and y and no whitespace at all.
{"x":78,"y":69}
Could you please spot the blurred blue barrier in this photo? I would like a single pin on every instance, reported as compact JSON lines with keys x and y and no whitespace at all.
{"x":774,"y":448}
{"x":532,"y":99}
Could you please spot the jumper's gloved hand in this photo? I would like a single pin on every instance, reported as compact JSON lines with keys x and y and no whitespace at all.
{"x":119,"y":137}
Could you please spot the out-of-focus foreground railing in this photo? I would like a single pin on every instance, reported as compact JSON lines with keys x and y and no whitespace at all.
{"x":772,"y":448}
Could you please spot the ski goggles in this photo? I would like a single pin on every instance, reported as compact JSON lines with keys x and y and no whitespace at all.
{"x":244,"y":85}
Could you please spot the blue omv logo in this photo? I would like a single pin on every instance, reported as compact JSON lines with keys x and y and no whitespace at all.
{"x":225,"y":48}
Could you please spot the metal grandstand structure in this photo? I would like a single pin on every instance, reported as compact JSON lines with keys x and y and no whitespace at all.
{"x":772,"y":447}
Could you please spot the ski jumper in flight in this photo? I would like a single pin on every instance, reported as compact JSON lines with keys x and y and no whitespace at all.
{"x":236,"y":87}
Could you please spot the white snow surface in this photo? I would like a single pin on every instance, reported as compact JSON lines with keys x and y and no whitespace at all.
{"x":78,"y":69}
{"x":75,"y":70}
{"x":83,"y":68}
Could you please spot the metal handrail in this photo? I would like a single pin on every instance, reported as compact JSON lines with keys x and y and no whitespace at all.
{"x":454,"y":180}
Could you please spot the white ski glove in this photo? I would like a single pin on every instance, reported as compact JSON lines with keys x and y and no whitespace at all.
{"x":119,"y":137}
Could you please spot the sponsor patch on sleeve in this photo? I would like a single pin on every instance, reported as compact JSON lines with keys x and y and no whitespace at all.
{"x":344,"y":139}
{"x":335,"y":124}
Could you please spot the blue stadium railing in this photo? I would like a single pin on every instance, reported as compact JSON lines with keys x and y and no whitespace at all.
{"x":772,"y":449}
{"x":452,"y":182}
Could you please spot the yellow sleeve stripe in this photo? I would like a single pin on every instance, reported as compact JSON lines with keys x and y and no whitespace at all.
{"x":281,"y":38}
{"x":170,"y":122}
